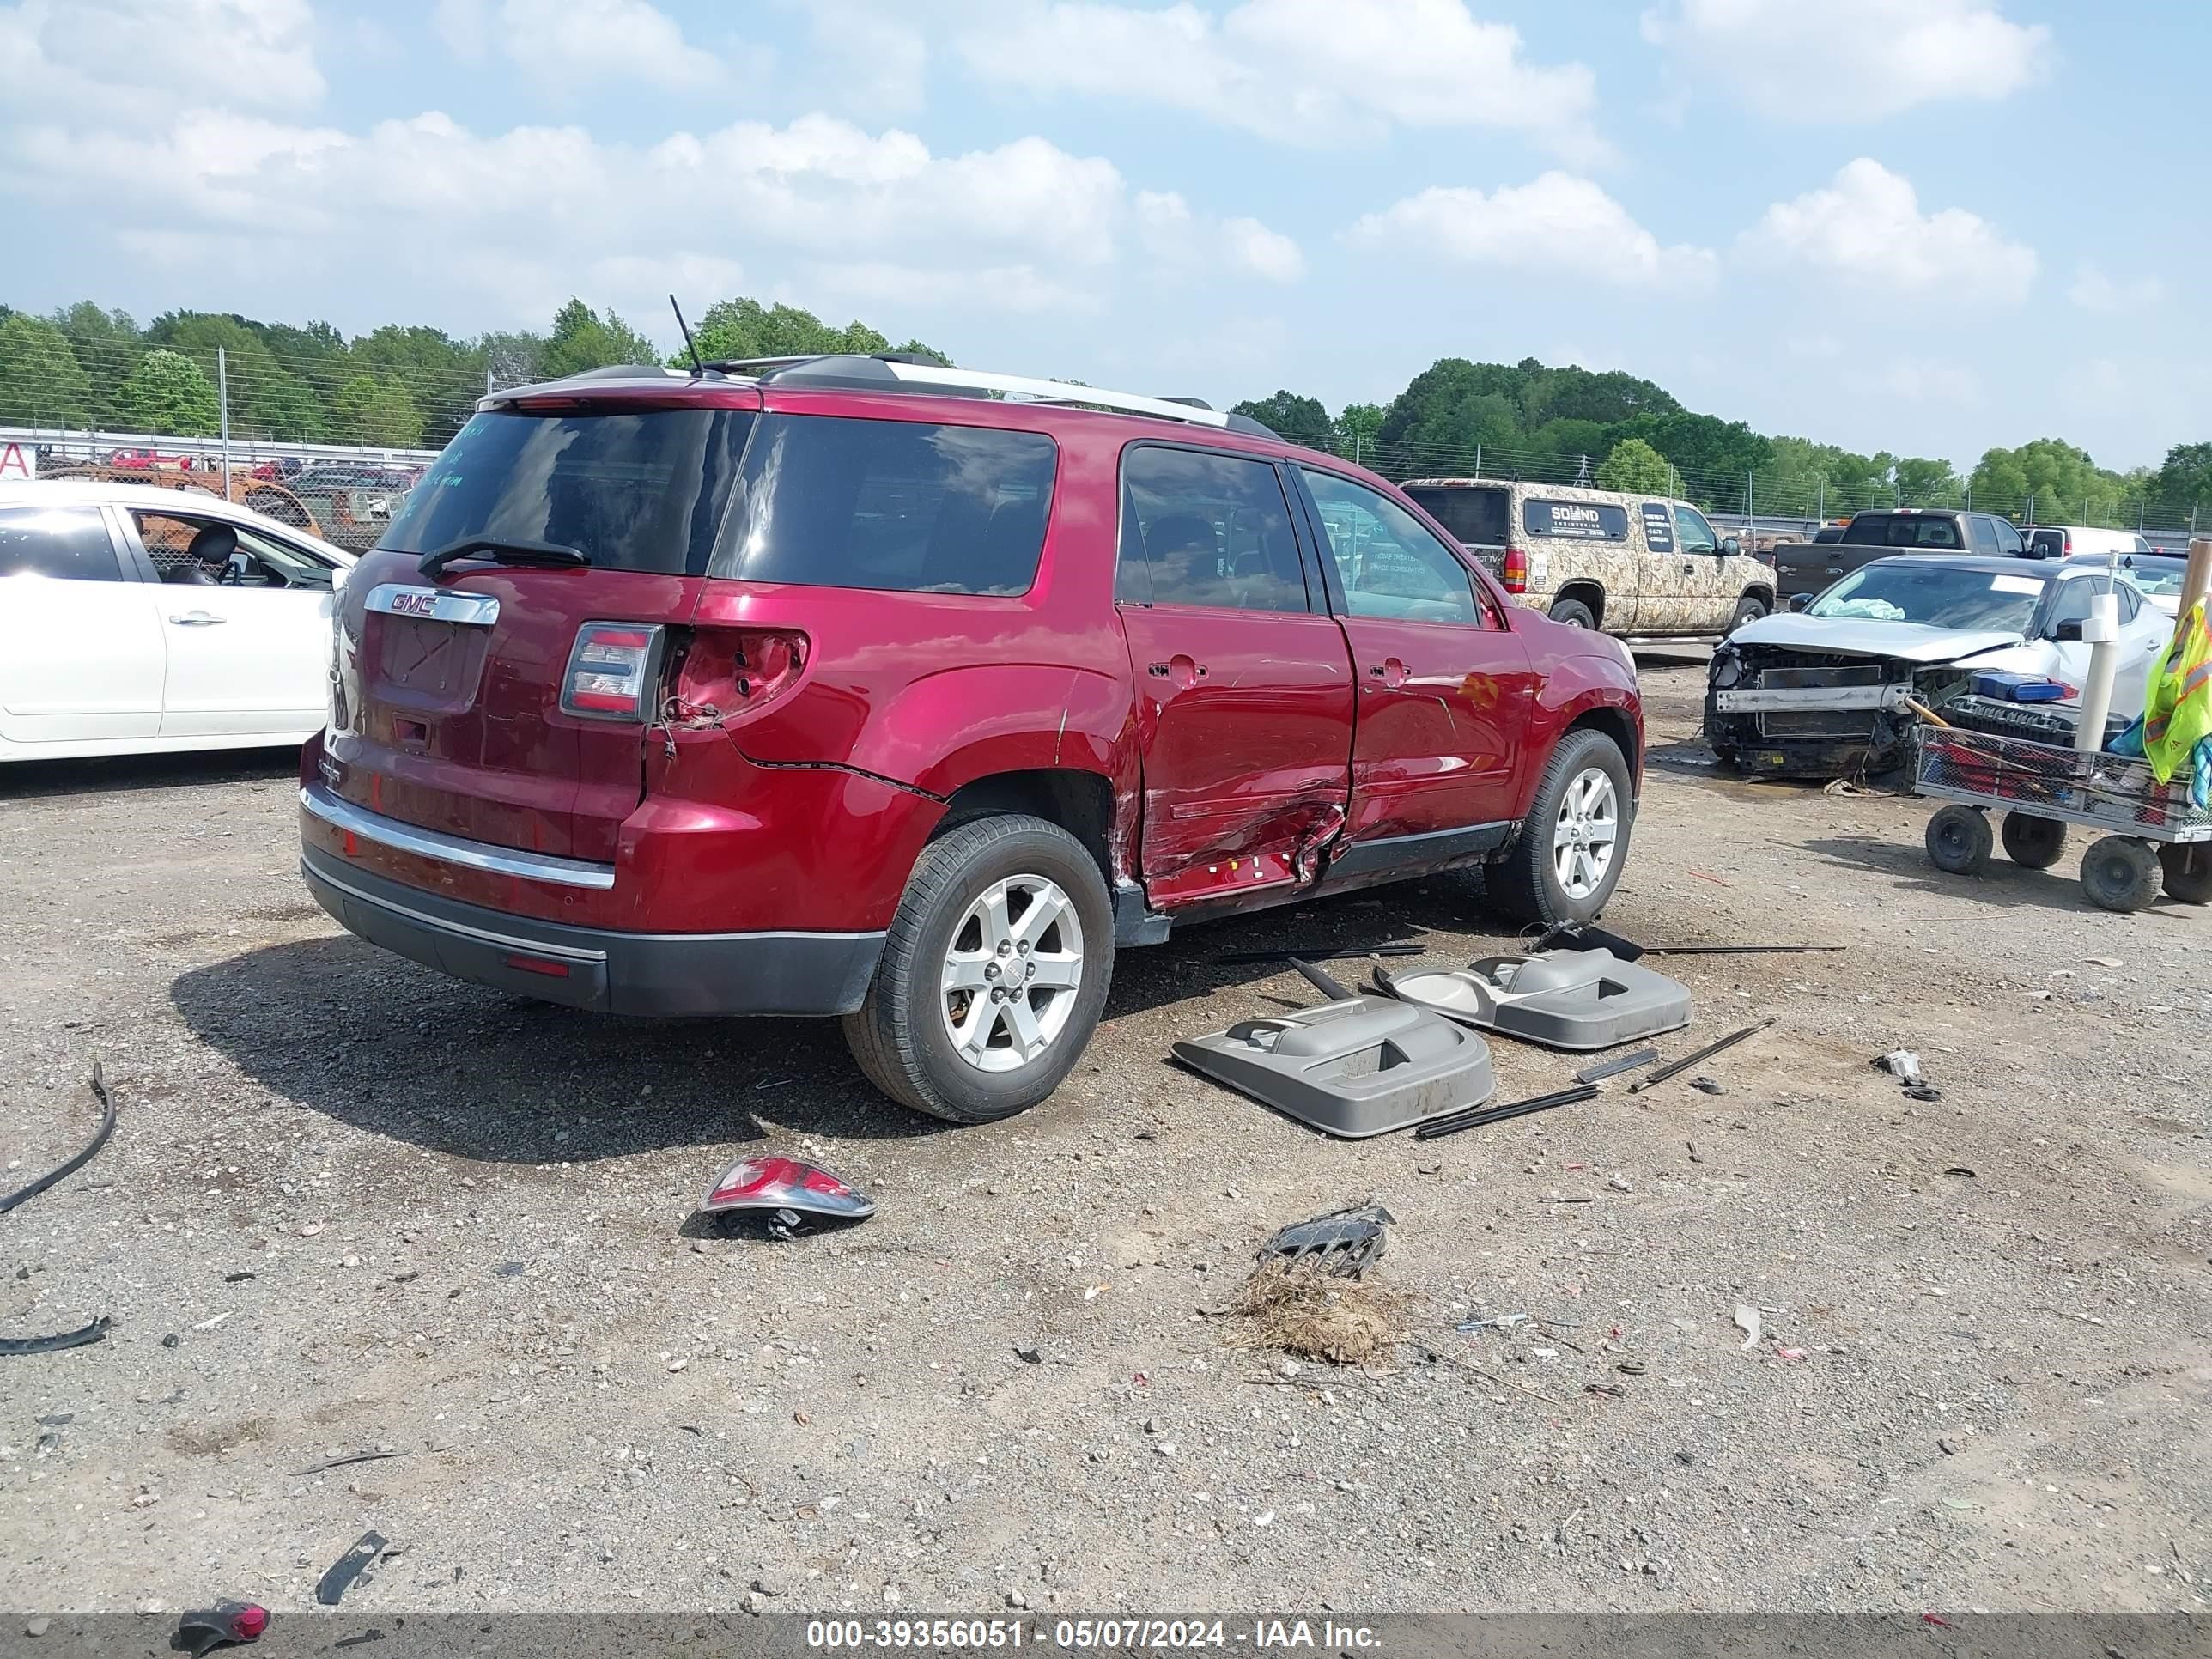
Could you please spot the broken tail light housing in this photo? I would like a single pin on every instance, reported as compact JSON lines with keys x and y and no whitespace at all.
{"x":773,"y":1182}
{"x":1515,"y":576}
{"x":726,"y":673}
{"x":613,"y":671}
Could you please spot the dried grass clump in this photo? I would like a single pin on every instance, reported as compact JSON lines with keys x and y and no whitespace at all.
{"x":1297,"y":1308}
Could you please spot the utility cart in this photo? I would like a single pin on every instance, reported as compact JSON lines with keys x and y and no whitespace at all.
{"x":2152,"y":836}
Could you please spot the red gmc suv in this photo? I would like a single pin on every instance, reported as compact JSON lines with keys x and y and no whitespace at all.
{"x":860,"y":686}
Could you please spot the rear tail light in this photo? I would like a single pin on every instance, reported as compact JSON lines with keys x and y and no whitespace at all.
{"x":1515,"y":577}
{"x":613,"y":671}
{"x":771,"y":1181}
{"x":723,"y":673}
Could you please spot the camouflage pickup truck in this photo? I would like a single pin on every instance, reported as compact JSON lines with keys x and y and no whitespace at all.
{"x":1645,"y":566}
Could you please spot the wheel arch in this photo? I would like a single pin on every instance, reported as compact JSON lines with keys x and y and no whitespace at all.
{"x":1587,"y":592}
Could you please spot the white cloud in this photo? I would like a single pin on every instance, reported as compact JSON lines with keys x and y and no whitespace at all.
{"x":867,"y":58}
{"x":569,"y":44}
{"x":1179,"y":242}
{"x":152,"y":56}
{"x":1865,"y":230}
{"x":1313,"y":72}
{"x":1556,"y":224}
{"x":1850,"y":60}
{"x":525,"y":216}
{"x":2092,"y":290}
{"x":1251,"y":246}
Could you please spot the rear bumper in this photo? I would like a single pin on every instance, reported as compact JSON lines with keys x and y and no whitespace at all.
{"x":598,"y":968}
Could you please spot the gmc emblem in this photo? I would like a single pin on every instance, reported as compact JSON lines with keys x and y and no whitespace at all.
{"x":414,"y":604}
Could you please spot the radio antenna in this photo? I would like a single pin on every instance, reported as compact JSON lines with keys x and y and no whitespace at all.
{"x":698,"y":368}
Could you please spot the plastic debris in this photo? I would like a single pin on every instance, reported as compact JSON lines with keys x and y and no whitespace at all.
{"x":1902,"y":1065}
{"x":1746,"y":1320}
{"x":225,"y":1622}
{"x":1706,"y":1085}
{"x":1344,"y":1242}
{"x":340,"y":1462}
{"x":348,"y":1568}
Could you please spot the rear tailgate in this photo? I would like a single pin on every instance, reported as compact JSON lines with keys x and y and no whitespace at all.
{"x":449,"y":714}
{"x":447,"y":708}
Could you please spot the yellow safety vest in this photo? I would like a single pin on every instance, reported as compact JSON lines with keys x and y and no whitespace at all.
{"x":2177,"y":712}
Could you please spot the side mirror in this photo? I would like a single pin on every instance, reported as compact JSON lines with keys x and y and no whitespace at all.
{"x":2066,"y":632}
{"x":1732,"y":545}
{"x":1801,"y":601}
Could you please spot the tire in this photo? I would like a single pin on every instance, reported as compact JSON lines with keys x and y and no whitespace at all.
{"x":2033,"y":844}
{"x":2188,"y":871}
{"x":1573,"y":612}
{"x":1525,"y":885}
{"x":1748,"y":609}
{"x":1959,"y":841}
{"x":2120,"y":873}
{"x":902,"y":1036}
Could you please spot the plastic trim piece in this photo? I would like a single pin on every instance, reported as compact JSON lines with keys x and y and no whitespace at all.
{"x":342,"y":814}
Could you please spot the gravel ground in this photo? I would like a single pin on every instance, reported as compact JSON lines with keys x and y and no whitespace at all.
{"x":352,"y":1206}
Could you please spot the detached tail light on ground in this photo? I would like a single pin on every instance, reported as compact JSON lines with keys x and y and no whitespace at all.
{"x":613,"y":671}
{"x":771,"y":1181}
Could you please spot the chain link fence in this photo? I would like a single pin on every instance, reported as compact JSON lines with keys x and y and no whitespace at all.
{"x":344,"y":430}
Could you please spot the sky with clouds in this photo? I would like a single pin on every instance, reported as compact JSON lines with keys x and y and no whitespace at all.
{"x":1930,"y":226}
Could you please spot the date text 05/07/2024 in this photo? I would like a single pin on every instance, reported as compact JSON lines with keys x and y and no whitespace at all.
{"x":1115,"y":1635}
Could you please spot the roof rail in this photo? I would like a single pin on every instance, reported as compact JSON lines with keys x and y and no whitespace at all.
{"x":890,"y":370}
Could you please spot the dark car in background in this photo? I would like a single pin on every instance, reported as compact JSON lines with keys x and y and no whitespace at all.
{"x":1809,"y":567}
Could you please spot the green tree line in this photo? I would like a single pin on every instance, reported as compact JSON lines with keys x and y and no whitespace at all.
{"x":398,"y":386}
{"x":1613,"y":430}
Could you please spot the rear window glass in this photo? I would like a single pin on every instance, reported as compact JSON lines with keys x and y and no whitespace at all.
{"x":640,"y":491}
{"x":1207,"y":530}
{"x":1587,"y":521}
{"x":1902,"y":530}
{"x":903,"y":505}
{"x":68,"y":543}
{"x":1477,"y":518}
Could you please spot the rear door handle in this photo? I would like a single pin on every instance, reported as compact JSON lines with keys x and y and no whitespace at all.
{"x":198,"y":619}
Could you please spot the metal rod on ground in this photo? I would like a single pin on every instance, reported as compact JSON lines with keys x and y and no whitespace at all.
{"x":1325,"y":953}
{"x":1676,"y":1067}
{"x":1321,"y":981}
{"x":1738,"y":950}
{"x":1605,"y":1069}
{"x":1480,"y":1117}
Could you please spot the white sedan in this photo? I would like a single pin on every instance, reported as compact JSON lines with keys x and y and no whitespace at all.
{"x":137,"y":620}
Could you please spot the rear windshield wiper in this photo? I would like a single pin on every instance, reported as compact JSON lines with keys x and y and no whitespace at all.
{"x":503,"y":550}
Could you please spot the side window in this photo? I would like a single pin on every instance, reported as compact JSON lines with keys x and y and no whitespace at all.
{"x":898,"y":506}
{"x":2131,"y":603}
{"x":68,"y":543}
{"x":1983,"y":539}
{"x":2047,"y":544}
{"x":2072,"y":604}
{"x":1388,"y":562}
{"x":1658,"y":527}
{"x":2008,"y":542}
{"x":1697,"y":536}
{"x":1206,"y":530}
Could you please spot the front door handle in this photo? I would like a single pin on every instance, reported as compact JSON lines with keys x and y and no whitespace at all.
{"x":1389,"y":671}
{"x":1181,"y":669}
{"x":198,"y":619}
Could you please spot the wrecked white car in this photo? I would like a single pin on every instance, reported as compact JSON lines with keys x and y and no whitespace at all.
{"x":1824,"y":690}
